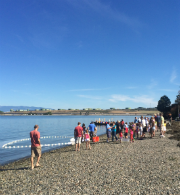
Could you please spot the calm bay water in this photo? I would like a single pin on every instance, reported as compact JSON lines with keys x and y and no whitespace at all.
{"x":18,"y":127}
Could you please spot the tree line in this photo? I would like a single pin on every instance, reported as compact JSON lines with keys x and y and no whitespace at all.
{"x":164,"y":105}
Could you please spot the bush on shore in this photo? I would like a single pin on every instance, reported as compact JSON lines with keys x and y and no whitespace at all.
{"x":48,"y":113}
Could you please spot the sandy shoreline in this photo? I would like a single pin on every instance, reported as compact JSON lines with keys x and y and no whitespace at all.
{"x":149,"y":166}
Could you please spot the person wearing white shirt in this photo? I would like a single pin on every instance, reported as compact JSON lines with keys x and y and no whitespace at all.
{"x":143,"y":122}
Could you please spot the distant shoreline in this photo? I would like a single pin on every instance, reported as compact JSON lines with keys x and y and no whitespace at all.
{"x":122,"y":114}
{"x":83,"y":112}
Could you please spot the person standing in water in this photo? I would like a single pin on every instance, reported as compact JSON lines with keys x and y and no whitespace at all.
{"x":35,"y":146}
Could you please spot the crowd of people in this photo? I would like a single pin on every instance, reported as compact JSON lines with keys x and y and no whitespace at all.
{"x":81,"y":133}
{"x":137,"y":129}
{"x":118,"y":130}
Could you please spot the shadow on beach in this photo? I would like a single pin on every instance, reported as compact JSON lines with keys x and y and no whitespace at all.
{"x":21,"y":168}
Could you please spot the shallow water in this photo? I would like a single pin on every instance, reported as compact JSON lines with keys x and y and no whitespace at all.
{"x":18,"y":127}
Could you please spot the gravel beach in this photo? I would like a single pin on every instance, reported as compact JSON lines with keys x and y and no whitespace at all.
{"x":149,"y":166}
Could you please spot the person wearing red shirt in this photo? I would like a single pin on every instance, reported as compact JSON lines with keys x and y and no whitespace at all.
{"x":35,"y":146}
{"x":126,"y":132}
{"x":122,"y":125}
{"x":78,"y":132}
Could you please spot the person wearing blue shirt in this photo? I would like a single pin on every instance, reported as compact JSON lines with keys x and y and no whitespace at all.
{"x":135,"y":120}
{"x":108,"y":131}
{"x":114,"y":132}
{"x":93,"y":129}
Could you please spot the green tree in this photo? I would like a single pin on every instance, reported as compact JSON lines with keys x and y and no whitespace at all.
{"x":164,"y":104}
{"x":178,"y":98}
{"x":178,"y":101}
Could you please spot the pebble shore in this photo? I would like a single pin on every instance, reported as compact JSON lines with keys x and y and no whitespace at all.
{"x":149,"y":166}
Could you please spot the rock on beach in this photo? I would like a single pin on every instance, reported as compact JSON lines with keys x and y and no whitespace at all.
{"x":149,"y":166}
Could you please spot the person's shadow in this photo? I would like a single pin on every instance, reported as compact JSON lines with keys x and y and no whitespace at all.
{"x":21,"y":168}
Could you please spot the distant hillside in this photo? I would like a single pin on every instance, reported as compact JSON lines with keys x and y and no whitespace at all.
{"x":7,"y":108}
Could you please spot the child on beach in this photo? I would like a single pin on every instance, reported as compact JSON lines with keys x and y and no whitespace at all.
{"x":131,"y":134}
{"x":140,"y":129}
{"x":126,"y":132}
{"x":137,"y":130}
{"x":87,"y":139}
{"x":120,"y":135}
{"x":84,"y":131}
{"x":148,"y":129}
{"x":164,"y":128}
{"x":125,"y":125}
{"x":134,"y":130}
{"x":152,"y":127}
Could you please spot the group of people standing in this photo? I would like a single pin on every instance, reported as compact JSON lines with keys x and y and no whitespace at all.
{"x":80,"y":133}
{"x":83,"y":133}
{"x":136,"y":129}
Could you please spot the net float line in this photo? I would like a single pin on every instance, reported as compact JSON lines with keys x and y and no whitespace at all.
{"x":42,"y":145}
{"x":44,"y":137}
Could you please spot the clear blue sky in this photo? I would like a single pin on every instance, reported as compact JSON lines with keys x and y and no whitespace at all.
{"x":89,"y":53}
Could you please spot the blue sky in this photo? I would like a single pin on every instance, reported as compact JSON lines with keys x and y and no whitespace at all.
{"x":89,"y":53}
